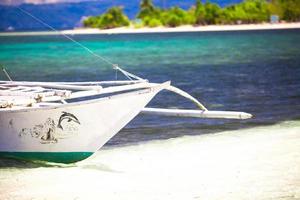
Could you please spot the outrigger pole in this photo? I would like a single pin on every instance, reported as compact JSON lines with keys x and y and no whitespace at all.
{"x":197,"y":113}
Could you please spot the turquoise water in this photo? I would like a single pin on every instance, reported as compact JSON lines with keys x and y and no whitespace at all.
{"x":251,"y":71}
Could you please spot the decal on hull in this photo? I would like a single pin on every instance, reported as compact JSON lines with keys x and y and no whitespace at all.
{"x":50,"y":131}
{"x":67,"y":116}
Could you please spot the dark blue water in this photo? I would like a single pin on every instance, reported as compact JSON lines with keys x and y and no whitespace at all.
{"x":252,"y":71}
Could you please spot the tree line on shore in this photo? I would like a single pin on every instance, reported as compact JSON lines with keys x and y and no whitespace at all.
{"x":246,"y":12}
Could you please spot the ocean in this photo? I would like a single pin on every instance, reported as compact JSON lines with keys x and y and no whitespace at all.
{"x":252,"y":71}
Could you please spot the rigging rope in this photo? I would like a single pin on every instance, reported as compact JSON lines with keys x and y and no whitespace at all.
{"x":114,"y":66}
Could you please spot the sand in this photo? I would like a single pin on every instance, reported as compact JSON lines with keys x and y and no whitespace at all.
{"x":256,"y":163}
{"x":128,"y":30}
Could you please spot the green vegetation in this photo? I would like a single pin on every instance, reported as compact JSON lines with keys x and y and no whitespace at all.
{"x":248,"y":11}
{"x":113,"y":18}
{"x":288,"y":10}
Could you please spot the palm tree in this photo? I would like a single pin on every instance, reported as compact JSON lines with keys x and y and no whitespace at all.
{"x":146,"y":4}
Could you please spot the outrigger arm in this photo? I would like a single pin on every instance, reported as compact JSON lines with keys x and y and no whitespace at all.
{"x":202,"y":113}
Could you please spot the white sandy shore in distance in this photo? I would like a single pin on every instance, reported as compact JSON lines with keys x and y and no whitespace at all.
{"x":127,"y":30}
{"x":258,"y":163}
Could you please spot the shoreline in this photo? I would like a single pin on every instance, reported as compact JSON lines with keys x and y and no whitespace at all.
{"x":183,"y":29}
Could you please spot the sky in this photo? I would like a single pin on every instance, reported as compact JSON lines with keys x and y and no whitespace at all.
{"x":16,"y":2}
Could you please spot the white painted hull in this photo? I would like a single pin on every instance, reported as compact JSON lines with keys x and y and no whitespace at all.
{"x":75,"y":127}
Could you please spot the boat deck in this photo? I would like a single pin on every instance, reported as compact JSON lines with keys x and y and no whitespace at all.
{"x":18,"y":95}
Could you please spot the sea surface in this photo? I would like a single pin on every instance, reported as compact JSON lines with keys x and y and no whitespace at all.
{"x":174,"y":158}
{"x":252,"y":71}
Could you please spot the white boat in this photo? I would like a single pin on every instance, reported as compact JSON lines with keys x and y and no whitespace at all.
{"x":69,"y":121}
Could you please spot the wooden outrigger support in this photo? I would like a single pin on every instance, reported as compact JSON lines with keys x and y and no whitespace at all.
{"x":202,"y":113}
{"x":186,"y":95}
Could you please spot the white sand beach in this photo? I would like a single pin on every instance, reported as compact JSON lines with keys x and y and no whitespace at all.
{"x":257,"y":163}
{"x":186,"y":29}
{"x":128,"y":30}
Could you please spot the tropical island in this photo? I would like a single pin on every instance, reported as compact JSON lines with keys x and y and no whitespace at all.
{"x":200,"y":14}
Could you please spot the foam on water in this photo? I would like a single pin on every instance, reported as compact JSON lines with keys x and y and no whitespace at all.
{"x":256,"y":163}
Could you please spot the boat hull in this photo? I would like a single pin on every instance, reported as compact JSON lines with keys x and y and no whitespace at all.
{"x":71,"y":132}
